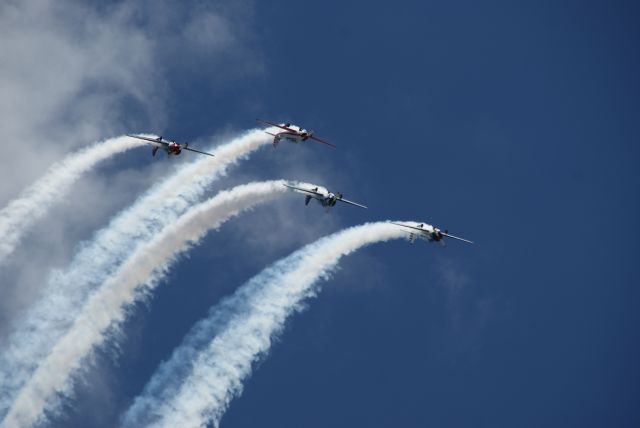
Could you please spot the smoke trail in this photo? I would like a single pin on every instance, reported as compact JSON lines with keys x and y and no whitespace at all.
{"x":33,"y":203}
{"x":137,"y":277}
{"x":38,"y":330}
{"x":194,"y":387}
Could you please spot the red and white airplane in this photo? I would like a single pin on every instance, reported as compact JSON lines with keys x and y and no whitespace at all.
{"x":171,"y":147}
{"x":429,"y":233}
{"x":292,"y":133}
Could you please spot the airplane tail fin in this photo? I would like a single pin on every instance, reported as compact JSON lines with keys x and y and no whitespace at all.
{"x":307,"y":199}
{"x":154,"y":150}
{"x":276,"y":139}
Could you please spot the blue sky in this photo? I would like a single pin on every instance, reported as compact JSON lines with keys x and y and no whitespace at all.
{"x":514,"y":124}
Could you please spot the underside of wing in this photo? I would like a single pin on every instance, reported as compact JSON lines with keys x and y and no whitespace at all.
{"x":286,"y":128}
{"x":300,"y":189}
{"x":316,"y":139}
{"x":352,"y":203}
{"x":411,"y":227}
{"x":151,"y":140}
{"x":457,"y":237}
{"x":197,"y":151}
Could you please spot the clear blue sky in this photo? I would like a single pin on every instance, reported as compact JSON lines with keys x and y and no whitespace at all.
{"x":514,"y":124}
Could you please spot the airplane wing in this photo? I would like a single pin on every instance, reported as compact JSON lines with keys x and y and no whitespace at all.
{"x":321,"y":141}
{"x":411,"y":227}
{"x":304,"y":190}
{"x":151,"y":140}
{"x":455,"y":237}
{"x":352,"y":203}
{"x":278,"y":126}
{"x":197,"y":151}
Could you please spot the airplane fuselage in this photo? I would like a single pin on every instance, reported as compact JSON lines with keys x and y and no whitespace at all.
{"x":291,"y":137}
{"x":329,"y":200}
{"x":326,"y":201}
{"x":173,"y":149}
{"x":429,"y":233}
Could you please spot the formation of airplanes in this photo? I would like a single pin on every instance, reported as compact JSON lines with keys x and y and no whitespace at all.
{"x":296,"y":134}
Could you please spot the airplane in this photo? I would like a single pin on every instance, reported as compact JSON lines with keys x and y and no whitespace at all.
{"x":171,"y":147}
{"x":323,"y":196}
{"x":291,"y":134}
{"x":429,"y":233}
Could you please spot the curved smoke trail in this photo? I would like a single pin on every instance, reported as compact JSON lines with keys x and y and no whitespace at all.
{"x":33,"y":203}
{"x":136,"y":278}
{"x":35,"y":334}
{"x":194,"y":387}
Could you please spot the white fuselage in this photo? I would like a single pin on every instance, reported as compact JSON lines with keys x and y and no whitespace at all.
{"x":327,"y":199}
{"x":429,"y":233}
{"x":292,"y":136}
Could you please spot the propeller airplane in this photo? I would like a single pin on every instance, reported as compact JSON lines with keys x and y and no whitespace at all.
{"x":292,"y":133}
{"x":171,"y":147}
{"x":429,"y":233}
{"x":326,"y":198}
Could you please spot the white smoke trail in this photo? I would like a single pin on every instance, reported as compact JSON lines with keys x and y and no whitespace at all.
{"x":35,"y":334}
{"x":33,"y":203}
{"x":194,"y":387}
{"x":137,"y":277}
